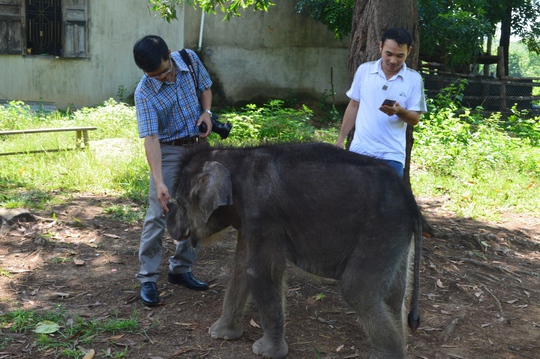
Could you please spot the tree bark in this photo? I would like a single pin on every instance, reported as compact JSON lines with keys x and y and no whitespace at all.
{"x":371,"y":18}
{"x":506,"y":31}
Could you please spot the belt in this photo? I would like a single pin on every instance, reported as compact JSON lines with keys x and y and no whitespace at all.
{"x":186,"y":141}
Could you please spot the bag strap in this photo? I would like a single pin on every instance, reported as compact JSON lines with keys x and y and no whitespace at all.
{"x":189,"y":64}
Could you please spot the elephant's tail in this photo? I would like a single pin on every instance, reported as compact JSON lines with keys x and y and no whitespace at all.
{"x":414,"y":316}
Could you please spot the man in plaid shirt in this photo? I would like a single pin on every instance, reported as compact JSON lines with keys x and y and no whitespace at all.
{"x":169,"y":112}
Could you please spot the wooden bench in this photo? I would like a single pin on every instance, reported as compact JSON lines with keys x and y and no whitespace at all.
{"x":82,"y":138}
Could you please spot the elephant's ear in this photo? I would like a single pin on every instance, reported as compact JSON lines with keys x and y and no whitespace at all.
{"x":213,"y":188}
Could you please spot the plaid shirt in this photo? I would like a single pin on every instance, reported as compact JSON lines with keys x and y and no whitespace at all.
{"x":170,"y":110}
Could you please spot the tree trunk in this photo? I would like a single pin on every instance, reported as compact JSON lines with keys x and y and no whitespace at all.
{"x":506,"y":30}
{"x":371,"y":18}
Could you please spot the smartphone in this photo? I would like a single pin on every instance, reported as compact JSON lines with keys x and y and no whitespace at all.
{"x":388,"y":102}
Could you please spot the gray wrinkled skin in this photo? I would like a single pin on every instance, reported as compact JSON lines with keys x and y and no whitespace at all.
{"x":331,"y":212}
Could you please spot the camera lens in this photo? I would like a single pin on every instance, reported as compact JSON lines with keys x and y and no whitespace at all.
{"x":222,"y":129}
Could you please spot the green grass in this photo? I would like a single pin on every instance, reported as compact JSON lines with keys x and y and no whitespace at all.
{"x":60,"y":260}
{"x":114,"y":165}
{"x":483,"y":167}
{"x":5,"y":273}
{"x":56,"y":329}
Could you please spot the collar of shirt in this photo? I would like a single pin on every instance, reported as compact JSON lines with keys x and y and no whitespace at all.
{"x":377,"y":69}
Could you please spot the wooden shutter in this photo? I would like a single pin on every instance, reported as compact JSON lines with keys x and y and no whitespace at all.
{"x":11,"y":27}
{"x":75,"y":40}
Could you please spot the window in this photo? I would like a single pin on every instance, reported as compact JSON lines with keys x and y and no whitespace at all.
{"x":44,"y":27}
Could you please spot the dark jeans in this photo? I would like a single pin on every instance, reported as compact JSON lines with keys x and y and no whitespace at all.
{"x":396,"y":166}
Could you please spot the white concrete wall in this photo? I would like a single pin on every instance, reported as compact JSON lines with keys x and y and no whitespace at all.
{"x":277,"y":54}
{"x":259,"y":56}
{"x":114,"y":27}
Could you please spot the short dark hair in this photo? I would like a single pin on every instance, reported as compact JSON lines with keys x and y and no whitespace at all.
{"x":399,"y":35}
{"x":149,"y":52}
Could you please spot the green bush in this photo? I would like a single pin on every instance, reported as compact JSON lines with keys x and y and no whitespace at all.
{"x":485,"y":165}
{"x":270,"y":123}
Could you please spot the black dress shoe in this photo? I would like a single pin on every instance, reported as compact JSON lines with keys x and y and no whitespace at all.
{"x":187,"y":280}
{"x":149,"y":294}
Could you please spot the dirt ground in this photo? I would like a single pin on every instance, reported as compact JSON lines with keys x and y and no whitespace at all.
{"x":480,"y":290}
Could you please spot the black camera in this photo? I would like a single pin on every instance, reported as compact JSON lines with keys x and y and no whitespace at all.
{"x":222,"y":129}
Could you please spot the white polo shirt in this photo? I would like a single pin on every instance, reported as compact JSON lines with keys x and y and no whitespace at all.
{"x":377,"y":134}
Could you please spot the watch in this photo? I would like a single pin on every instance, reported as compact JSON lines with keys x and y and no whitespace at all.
{"x":208,"y":112}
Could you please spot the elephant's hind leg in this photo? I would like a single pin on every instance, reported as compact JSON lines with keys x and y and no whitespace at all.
{"x":381,"y":319}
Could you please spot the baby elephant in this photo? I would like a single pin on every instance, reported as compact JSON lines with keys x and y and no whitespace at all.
{"x":331,"y":212}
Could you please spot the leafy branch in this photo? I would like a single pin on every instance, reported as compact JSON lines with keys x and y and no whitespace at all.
{"x":167,"y":8}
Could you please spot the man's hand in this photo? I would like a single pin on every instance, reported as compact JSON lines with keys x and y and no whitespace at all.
{"x":207,"y":120}
{"x":206,"y":103}
{"x":153,"y":156}
{"x":349,"y":118}
{"x":163,"y":196}
{"x":391,"y":110}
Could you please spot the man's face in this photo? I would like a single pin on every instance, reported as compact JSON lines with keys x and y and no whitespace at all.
{"x":393,"y":56}
{"x":164,"y":72}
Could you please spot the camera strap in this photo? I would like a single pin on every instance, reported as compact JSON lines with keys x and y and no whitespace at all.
{"x":187,"y":61}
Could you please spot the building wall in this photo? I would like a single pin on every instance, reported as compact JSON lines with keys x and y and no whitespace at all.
{"x":265,"y":55}
{"x":259,"y":56}
{"x":114,"y":26}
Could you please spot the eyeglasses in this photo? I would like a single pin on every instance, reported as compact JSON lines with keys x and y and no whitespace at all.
{"x":163,"y":74}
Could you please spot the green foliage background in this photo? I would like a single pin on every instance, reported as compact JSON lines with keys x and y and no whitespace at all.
{"x":453,"y":31}
{"x":482,"y":166}
{"x":486,"y":166}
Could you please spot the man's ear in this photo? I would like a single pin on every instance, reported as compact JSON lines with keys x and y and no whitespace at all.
{"x":409,"y":50}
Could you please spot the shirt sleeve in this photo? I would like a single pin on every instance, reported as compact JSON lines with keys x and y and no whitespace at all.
{"x":418,"y":99}
{"x":354,"y":91}
{"x":146,"y":116}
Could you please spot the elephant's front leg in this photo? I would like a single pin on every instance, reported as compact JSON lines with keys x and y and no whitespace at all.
{"x":265,"y":276}
{"x":229,"y":326}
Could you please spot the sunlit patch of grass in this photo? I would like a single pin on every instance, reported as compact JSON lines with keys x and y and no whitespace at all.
{"x":60,"y":260}
{"x":5,"y":273}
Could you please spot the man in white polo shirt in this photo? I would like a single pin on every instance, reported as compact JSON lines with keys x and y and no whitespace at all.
{"x":380,"y":129}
